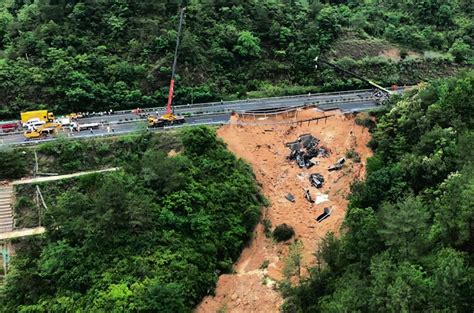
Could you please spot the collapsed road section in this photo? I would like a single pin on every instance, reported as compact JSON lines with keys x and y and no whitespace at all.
{"x":310,"y":211}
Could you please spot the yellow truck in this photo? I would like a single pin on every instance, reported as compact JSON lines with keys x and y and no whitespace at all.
{"x":39,"y":115}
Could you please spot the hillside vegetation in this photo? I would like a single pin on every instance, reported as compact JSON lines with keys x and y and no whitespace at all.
{"x":64,"y":156}
{"x":408,"y":234}
{"x":85,"y":55}
{"x":152,"y":237}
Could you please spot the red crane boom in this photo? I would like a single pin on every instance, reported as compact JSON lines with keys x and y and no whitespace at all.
{"x":175,"y":61}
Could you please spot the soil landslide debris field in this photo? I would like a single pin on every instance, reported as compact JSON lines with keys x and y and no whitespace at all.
{"x":252,"y":288}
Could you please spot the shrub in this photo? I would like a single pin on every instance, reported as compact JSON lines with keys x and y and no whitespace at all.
{"x":461,"y":51}
{"x":283,"y":232}
{"x":403,"y":53}
{"x":354,"y":155}
{"x":366,"y":122}
{"x":15,"y":164}
{"x":267,"y":227}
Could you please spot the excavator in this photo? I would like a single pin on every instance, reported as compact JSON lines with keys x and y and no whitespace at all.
{"x":380,"y":93}
{"x":42,"y":131}
{"x":169,"y":118}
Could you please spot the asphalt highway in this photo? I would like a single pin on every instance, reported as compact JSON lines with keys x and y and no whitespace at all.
{"x":208,"y":113}
{"x":242,"y":105}
{"x":114,"y":128}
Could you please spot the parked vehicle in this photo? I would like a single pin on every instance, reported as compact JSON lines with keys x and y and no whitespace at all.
{"x":9,"y":127}
{"x":80,"y":127}
{"x":41,"y":115}
{"x":34,"y":123}
{"x":64,"y":121}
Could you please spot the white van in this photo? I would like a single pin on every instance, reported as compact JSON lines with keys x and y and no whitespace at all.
{"x":33,"y":123}
{"x":64,"y":121}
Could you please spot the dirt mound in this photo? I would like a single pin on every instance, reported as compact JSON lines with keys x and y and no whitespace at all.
{"x":252,"y":287}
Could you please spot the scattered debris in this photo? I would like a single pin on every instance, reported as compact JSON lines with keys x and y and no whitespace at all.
{"x":323,"y":152}
{"x":338,"y":165}
{"x":324,"y":215}
{"x":307,"y":195}
{"x":290,"y":197}
{"x":316,"y":180}
{"x":320,"y":198}
{"x":303,"y":150}
{"x":308,"y":141}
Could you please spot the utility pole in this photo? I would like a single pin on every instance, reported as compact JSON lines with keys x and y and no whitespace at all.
{"x":35,"y":170}
{"x":5,"y":257}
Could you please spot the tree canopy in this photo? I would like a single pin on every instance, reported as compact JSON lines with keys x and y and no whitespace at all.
{"x":408,"y":239}
{"x":152,"y":237}
{"x":95,"y":55}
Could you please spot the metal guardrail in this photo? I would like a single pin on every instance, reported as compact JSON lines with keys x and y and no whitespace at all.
{"x":114,"y":134}
{"x":229,"y":102}
{"x":332,"y":102}
{"x":333,"y":93}
{"x":226,"y":110}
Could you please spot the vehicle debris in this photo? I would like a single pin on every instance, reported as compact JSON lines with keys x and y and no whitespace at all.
{"x":323,"y":215}
{"x":338,"y":165}
{"x":320,"y":198}
{"x":323,"y":152}
{"x":304,"y":150}
{"x":290,"y":197}
{"x":316,"y":180}
{"x":307,"y":195}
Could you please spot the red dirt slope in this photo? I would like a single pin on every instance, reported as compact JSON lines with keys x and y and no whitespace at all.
{"x":252,"y":289}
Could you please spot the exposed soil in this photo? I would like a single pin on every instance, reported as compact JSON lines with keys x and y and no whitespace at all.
{"x":394,"y":54}
{"x":358,"y":48}
{"x":252,"y":288}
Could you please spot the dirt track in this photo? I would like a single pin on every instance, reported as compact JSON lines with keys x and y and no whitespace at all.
{"x":252,"y":289}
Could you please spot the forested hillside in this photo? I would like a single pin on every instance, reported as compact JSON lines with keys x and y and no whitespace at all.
{"x":81,"y":55}
{"x":408,"y":243}
{"x":152,"y":237}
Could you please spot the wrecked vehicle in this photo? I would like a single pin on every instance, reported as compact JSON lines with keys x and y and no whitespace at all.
{"x":316,"y":180}
{"x":326,"y":213}
{"x":303,"y":150}
{"x":338,"y":165}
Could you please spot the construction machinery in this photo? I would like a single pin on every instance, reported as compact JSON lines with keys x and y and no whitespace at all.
{"x":40,"y":115}
{"x":42,"y":131}
{"x":169,"y":118}
{"x":380,"y":93}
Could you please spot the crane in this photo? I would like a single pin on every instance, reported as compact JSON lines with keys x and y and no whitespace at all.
{"x":381,"y":93}
{"x":169,"y":118}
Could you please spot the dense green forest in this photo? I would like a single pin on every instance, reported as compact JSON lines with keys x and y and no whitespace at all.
{"x":408,"y":242}
{"x":152,"y":237}
{"x":92,"y":55}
